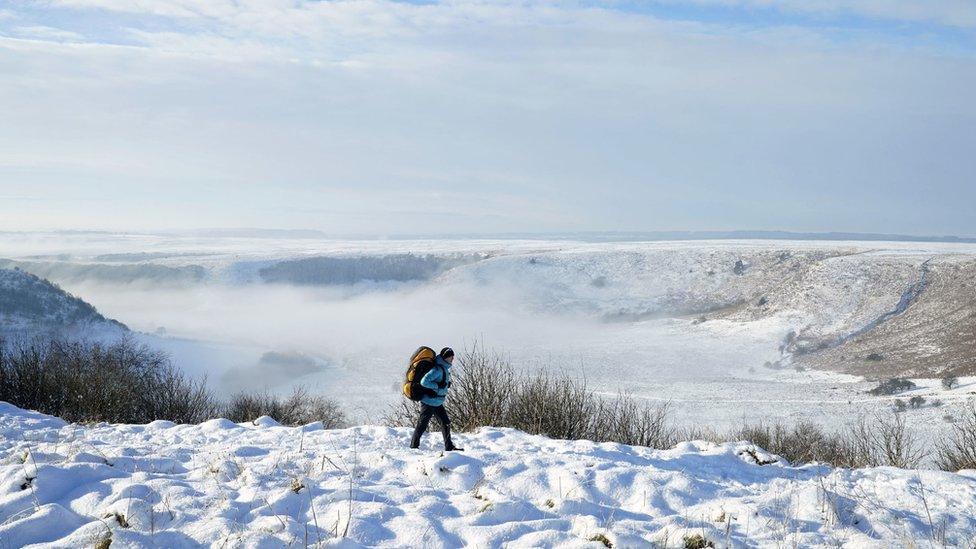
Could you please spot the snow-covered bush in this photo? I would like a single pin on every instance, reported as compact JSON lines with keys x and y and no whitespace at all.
{"x":892,"y":386}
{"x":299,"y":408}
{"x":949,"y":381}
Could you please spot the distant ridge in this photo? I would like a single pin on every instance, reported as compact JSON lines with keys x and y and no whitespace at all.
{"x":253,"y":233}
{"x":778,"y":235}
{"x":639,"y":236}
{"x":583,"y":236}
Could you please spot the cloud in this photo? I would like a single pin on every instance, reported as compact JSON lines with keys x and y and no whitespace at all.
{"x":377,"y":18}
{"x":167,"y":8}
{"x":41,"y":32}
{"x":955,"y":13}
{"x":512,"y":116}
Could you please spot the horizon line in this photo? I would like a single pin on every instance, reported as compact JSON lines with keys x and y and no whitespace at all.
{"x":608,"y":236}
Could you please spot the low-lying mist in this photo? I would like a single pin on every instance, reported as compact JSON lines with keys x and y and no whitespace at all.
{"x":344,"y":340}
{"x":340,"y":327}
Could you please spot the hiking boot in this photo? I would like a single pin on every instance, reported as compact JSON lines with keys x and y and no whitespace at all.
{"x":448,"y":443}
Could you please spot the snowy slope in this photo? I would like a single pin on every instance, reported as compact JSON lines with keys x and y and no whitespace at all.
{"x":262,"y":485}
{"x":31,"y":304}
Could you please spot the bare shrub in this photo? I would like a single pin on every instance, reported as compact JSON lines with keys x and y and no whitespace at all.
{"x":881,"y":440}
{"x":121,"y":382}
{"x":858,"y":445}
{"x":632,"y":422}
{"x":950,"y":381}
{"x":299,"y":408}
{"x":700,"y":432}
{"x":895,"y":444}
{"x":555,"y":406}
{"x":486,"y":390}
{"x":481,"y":388}
{"x":958,"y":450}
{"x":124,"y":382}
{"x":403,"y":414}
{"x":802,"y":442}
{"x":244,"y":407}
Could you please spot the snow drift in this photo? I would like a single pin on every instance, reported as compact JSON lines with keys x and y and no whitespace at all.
{"x":264,"y":485}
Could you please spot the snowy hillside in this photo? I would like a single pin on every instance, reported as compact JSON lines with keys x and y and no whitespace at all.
{"x":832,"y":303}
{"x":31,"y":305}
{"x":721,"y":329}
{"x":222,"y":484}
{"x":109,"y":269}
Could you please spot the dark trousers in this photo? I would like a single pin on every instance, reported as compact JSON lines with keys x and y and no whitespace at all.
{"x":425,"y":414}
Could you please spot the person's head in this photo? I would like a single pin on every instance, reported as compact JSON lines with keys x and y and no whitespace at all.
{"x":447,"y":354}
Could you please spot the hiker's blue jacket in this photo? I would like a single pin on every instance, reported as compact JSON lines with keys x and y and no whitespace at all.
{"x":437,"y":379}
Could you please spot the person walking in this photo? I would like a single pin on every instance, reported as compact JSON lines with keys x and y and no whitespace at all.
{"x":436,"y":383}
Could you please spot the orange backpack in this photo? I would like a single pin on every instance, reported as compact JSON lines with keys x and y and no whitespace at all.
{"x":421,"y":362}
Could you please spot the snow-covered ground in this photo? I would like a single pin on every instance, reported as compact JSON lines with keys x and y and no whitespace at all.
{"x":222,"y":484}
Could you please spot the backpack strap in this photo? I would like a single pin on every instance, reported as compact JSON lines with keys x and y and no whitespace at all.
{"x":443,"y":382}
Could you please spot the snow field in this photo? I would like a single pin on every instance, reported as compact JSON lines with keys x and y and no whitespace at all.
{"x":263,"y":485}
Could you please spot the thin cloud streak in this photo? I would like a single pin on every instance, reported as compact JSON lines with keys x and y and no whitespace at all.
{"x":955,"y":13}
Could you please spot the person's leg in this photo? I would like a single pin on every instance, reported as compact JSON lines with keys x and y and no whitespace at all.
{"x":441,"y":413}
{"x":422,"y":422}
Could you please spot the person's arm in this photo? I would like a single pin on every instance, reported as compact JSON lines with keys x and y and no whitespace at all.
{"x":430,"y":381}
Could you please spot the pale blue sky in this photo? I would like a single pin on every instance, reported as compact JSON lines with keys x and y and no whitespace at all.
{"x":403,"y":117}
